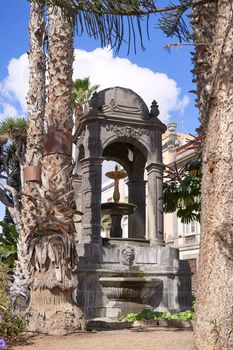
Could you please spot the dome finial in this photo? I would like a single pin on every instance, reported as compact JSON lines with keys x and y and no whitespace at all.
{"x":94,"y":103}
{"x":154,"y":109}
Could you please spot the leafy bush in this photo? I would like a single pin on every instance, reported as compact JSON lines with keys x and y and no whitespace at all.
{"x":182,"y":192}
{"x":8,"y":244}
{"x":148,"y":314}
{"x":11,"y":325}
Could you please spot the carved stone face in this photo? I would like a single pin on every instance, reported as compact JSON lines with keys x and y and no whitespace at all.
{"x":127,"y":256}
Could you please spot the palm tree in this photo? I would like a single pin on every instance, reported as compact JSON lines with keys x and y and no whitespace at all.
{"x":34,"y":149}
{"x":213,"y":69}
{"x":52,"y":248}
{"x":81,"y":94}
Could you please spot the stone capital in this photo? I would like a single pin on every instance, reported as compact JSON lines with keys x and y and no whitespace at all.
{"x":155,"y":167}
{"x":91,"y":161}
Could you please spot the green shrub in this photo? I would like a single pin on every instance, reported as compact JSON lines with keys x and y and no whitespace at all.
{"x":8,"y":244}
{"x":148,"y":314}
{"x":11,"y":325}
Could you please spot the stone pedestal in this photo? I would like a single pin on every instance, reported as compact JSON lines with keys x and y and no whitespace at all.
{"x":132,"y":275}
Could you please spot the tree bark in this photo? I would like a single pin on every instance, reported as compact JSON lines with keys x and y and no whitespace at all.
{"x":34,"y":149}
{"x":52,"y":251}
{"x":214,"y":309}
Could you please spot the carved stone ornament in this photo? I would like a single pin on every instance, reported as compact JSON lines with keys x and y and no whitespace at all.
{"x":112,"y":103}
{"x":154,"y":109}
{"x":94,"y":103}
{"x":127,"y":256}
{"x":128,"y":131}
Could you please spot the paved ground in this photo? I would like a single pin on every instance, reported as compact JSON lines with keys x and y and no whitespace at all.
{"x":144,"y":338}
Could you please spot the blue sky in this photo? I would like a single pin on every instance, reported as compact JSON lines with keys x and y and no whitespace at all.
{"x":174,"y":66}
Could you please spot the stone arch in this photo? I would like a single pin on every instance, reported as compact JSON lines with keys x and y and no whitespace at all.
{"x":141,"y":145}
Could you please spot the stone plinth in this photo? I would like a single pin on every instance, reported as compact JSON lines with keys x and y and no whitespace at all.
{"x":132,"y":275}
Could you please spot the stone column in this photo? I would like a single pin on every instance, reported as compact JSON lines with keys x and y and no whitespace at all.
{"x":77,"y":186}
{"x":155,"y":203}
{"x":136,"y":221}
{"x":91,"y":199}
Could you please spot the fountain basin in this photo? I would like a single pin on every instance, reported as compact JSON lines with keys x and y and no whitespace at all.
{"x":127,"y":288}
{"x":119,"y":208}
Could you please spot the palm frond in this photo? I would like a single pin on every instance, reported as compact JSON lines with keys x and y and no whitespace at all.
{"x":82,"y":91}
{"x":105,"y":19}
{"x":173,"y":23}
{"x":13,"y":127}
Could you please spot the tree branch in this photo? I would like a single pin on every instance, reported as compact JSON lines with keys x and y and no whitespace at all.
{"x":5,"y":199}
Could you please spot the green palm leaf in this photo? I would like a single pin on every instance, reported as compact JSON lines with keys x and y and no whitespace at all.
{"x":13,"y":127}
{"x":82,"y":91}
{"x":105,"y":19}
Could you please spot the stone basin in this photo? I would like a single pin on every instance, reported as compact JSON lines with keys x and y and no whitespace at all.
{"x":119,"y":208}
{"x":117,"y":211}
{"x":127,"y":288}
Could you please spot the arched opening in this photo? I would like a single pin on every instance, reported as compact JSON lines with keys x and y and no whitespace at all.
{"x":133,"y":193}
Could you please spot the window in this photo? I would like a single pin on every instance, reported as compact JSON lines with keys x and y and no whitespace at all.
{"x":191,"y":229}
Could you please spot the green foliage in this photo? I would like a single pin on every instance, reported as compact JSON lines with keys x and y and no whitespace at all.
{"x":11,"y":325}
{"x":183,"y":193}
{"x":116,"y":22}
{"x":173,"y":23}
{"x":82,"y":91}
{"x":148,"y":314}
{"x":13,"y":127}
{"x":8,"y":244}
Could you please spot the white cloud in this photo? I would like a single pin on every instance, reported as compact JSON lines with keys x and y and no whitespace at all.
{"x":14,"y":88}
{"x":105,"y":70}
{"x":8,"y":111}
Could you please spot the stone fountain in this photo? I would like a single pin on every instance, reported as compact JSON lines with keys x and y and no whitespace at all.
{"x":120,"y":275}
{"x":117,"y":209}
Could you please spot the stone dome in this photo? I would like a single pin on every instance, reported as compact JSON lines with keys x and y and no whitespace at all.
{"x":121,"y":101}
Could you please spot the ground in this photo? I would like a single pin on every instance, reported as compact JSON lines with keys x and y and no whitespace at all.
{"x":140,"y":338}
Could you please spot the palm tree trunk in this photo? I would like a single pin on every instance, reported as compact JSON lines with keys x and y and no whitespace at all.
{"x":36,"y":112}
{"x":214,"y":309}
{"x":53,"y":252}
